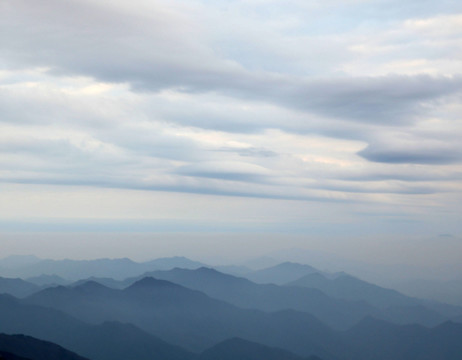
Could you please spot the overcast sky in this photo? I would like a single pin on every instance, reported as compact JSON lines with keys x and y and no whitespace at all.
{"x":302,"y":119}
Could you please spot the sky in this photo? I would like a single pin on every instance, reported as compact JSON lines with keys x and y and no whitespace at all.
{"x":329,"y":124}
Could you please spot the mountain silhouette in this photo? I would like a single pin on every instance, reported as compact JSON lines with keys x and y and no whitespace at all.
{"x":380,"y":340}
{"x":338,"y":313}
{"x":5,"y":355}
{"x":17,"y":287}
{"x":75,"y":270}
{"x":241,"y":349}
{"x":48,"y":280}
{"x":33,"y":349}
{"x":394,"y":306}
{"x":107,"y":341}
{"x":182,"y":316}
{"x":351,"y":288}
{"x":241,"y":292}
{"x":188,"y":317}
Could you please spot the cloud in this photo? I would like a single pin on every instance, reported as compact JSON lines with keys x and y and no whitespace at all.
{"x":235,"y":171}
{"x":165,"y":50}
{"x":412,"y":155}
{"x":239,"y":99}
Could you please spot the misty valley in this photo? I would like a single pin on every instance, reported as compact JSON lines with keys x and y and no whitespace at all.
{"x":180,"y":309}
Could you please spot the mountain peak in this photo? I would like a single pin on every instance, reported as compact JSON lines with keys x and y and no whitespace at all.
{"x":293,"y":265}
{"x":207,"y":270}
{"x":149,"y":282}
{"x":282,"y":273}
{"x":90,"y":285}
{"x":237,"y":348}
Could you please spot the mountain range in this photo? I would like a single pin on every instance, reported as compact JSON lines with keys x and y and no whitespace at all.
{"x":81,"y":269}
{"x":203,"y":314}
{"x":183,"y":316}
{"x":297,"y":335}
{"x":17,"y":287}
{"x":335,"y":311}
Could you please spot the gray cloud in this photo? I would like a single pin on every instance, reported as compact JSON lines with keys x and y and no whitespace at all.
{"x":422,"y":155}
{"x":158,"y":52}
{"x":384,"y":188}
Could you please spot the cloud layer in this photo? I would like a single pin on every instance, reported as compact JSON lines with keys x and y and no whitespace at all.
{"x":338,"y":102}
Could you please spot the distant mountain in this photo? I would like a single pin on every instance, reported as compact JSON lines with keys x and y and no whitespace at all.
{"x":108,"y":282}
{"x":189,"y":318}
{"x":103,"y":268}
{"x":458,"y":319}
{"x":107,"y":341}
{"x":444,"y":291}
{"x":351,"y":288}
{"x":448,"y":310}
{"x":261,"y":262}
{"x":79,"y":269}
{"x":17,"y":261}
{"x":17,"y":287}
{"x":34,"y":349}
{"x":338,"y":313}
{"x":413,"y":314}
{"x":239,"y":349}
{"x":267,"y":297}
{"x":48,"y":280}
{"x":233,"y":270}
{"x":396,"y":307}
{"x":280,"y":274}
{"x":172,"y":262}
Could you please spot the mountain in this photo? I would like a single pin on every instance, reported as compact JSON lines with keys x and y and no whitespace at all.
{"x":280,"y":274}
{"x":5,"y":355}
{"x":195,"y":318}
{"x":79,"y":269}
{"x":189,"y":318}
{"x":48,"y":280}
{"x":396,"y":307}
{"x":413,"y":314}
{"x":77,"y":301}
{"x":241,"y":349}
{"x":104,"y":268}
{"x":444,"y":291}
{"x":17,"y":261}
{"x":168,"y":263}
{"x":17,"y":287}
{"x":338,"y":313}
{"x":108,"y":282}
{"x":267,"y":297}
{"x":34,"y":349}
{"x":384,"y":341}
{"x":107,"y":341}
{"x":261,"y":262}
{"x":113,"y":340}
{"x":351,"y":288}
{"x":448,"y":310}
{"x":232,"y":269}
